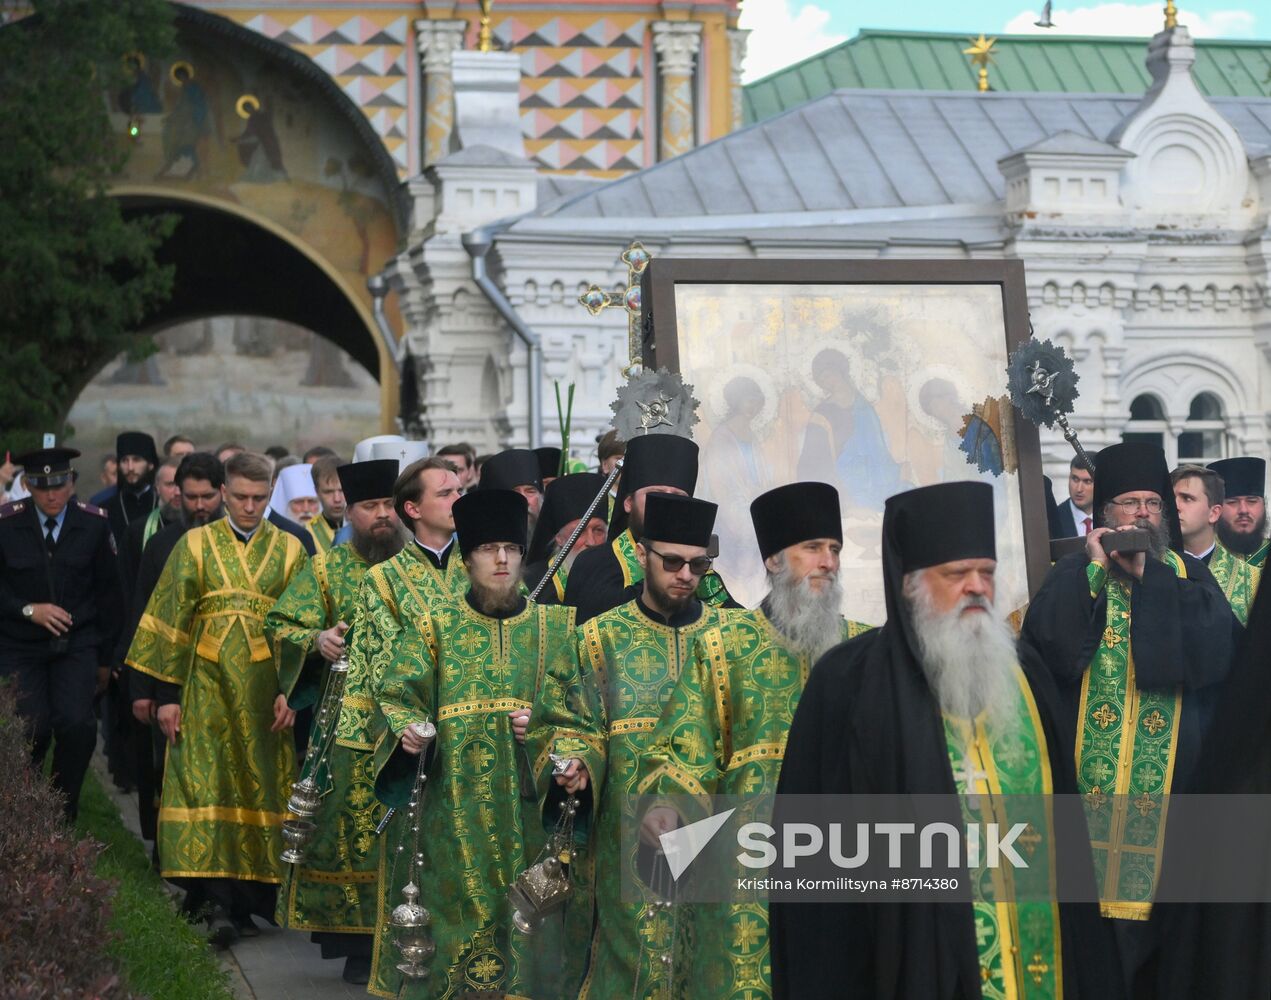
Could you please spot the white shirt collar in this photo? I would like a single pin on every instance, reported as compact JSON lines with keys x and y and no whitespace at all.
{"x":437,"y":552}
{"x":1202,"y":555}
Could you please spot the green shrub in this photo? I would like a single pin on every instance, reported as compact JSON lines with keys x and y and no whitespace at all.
{"x":55,"y":909}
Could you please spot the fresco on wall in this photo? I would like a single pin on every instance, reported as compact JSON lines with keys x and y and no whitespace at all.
{"x":222,"y":122}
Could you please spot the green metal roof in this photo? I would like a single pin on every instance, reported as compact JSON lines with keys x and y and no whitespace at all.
{"x":1079,"y":64}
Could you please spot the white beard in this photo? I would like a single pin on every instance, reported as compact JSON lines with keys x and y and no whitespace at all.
{"x":809,"y":619}
{"x":969,"y":660}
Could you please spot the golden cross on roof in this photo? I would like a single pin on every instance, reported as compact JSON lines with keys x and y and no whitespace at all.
{"x":485,"y":35}
{"x":1171,"y":15}
{"x":981,"y":53}
{"x":597,"y":300}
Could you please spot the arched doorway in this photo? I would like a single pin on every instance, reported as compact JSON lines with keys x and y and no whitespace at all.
{"x":287,"y":200}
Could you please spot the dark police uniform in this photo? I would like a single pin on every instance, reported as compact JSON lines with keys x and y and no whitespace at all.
{"x":56,"y":676}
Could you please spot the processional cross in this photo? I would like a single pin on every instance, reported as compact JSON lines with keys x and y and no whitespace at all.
{"x":597,"y":300}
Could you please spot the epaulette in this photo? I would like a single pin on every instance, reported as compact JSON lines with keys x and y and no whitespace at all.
{"x":11,"y":508}
{"x":89,"y":508}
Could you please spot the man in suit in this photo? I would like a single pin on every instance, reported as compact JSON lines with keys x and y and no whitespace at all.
{"x":1075,"y":515}
{"x":60,"y":610}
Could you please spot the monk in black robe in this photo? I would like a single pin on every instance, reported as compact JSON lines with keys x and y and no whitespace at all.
{"x":1138,"y":647}
{"x":565,"y":501}
{"x":876,"y":718}
{"x":1224,"y":949}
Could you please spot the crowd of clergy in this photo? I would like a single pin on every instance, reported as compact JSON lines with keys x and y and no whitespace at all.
{"x":488,"y":665}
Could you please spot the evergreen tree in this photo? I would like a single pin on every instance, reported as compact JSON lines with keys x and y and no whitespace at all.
{"x":76,"y":277}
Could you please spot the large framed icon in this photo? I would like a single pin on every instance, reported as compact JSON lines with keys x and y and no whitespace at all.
{"x":874,"y":376}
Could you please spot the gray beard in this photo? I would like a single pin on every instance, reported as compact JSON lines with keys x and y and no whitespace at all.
{"x":568,"y":564}
{"x":377,"y":548}
{"x":969,"y":661}
{"x":809,"y":620}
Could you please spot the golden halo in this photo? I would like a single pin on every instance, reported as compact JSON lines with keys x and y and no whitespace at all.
{"x":138,"y":57}
{"x":242,"y":106}
{"x":180,"y":64}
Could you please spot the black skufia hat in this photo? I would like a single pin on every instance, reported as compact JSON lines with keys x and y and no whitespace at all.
{"x":510,"y":469}
{"x":1131,"y":467}
{"x":566,"y":499}
{"x":940,"y":524}
{"x":654,"y":460}
{"x":795,"y":513}
{"x":371,"y":480}
{"x":46,"y":467}
{"x":1242,"y":477}
{"x":490,"y":516}
{"x":136,"y":443}
{"x":548,"y":461}
{"x":678,"y":520}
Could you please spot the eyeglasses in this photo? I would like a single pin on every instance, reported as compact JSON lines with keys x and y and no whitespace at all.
{"x":699,"y":566}
{"x":496,"y":548}
{"x":1153,"y":505}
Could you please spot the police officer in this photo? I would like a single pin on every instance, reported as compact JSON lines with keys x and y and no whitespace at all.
{"x":60,"y":610}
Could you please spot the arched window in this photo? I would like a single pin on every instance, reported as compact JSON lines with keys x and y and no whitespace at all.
{"x":1147,"y":421}
{"x":1204,"y":436}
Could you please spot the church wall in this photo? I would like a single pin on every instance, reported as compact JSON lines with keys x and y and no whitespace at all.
{"x":1172,"y":320}
{"x":588,"y":72}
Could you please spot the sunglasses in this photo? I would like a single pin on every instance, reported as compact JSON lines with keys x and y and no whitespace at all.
{"x":699,"y":566}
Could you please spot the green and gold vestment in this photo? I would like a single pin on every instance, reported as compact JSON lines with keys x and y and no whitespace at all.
{"x":633,"y":662}
{"x":322,"y":532}
{"x":480,"y":825}
{"x":333,"y":889}
{"x":394,"y":593}
{"x":1238,"y":579}
{"x":227,"y":778}
{"x":723,"y":732}
{"x":1127,"y":742}
{"x":1003,"y":774}
{"x":1258,"y":558}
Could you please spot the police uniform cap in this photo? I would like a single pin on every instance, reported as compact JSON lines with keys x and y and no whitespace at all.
{"x":47,"y":467}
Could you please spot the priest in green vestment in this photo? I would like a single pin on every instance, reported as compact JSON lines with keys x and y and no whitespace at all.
{"x":1199,"y":494}
{"x":605,"y":576}
{"x":939,"y":701}
{"x":565,"y":502}
{"x":1139,"y":646}
{"x":230,"y":756}
{"x":1243,"y":528}
{"x":401,"y":589}
{"x":332,"y":892}
{"x":633,"y":655}
{"x":473,"y":668}
{"x":723,"y":732}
